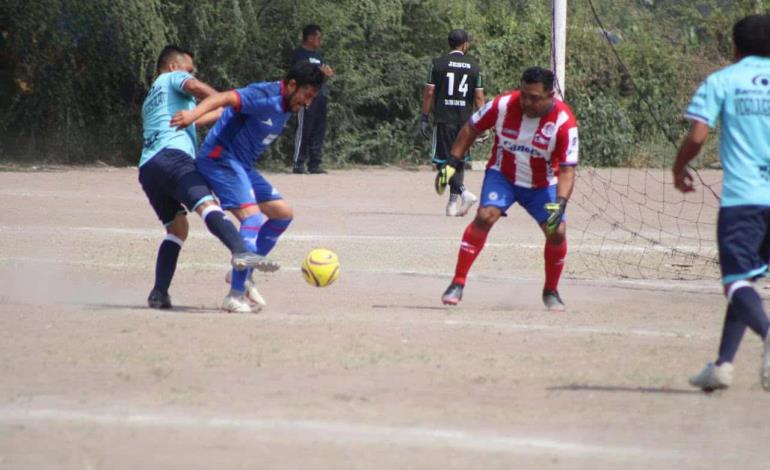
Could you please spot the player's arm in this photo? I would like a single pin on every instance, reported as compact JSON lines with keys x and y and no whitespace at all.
{"x":428,"y":93}
{"x":198,"y":89}
{"x":184,"y":118}
{"x":688,"y":150}
{"x":566,"y":182}
{"x":210,"y":117}
{"x":478,"y":98}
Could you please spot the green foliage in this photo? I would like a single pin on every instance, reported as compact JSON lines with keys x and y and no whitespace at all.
{"x":78,"y":70}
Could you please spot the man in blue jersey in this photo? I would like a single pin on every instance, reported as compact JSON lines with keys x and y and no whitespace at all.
{"x":167,"y":171}
{"x":737,"y":97}
{"x":253,"y":118}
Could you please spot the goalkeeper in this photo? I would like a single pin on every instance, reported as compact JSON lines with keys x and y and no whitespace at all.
{"x":533,"y":161}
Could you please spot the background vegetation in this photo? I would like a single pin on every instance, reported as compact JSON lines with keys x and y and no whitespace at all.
{"x":73,"y":73}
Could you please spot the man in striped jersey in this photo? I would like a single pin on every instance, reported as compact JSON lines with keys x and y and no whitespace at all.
{"x":533,"y":163}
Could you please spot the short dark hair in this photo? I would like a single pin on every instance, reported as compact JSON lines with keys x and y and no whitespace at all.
{"x":310,"y":30}
{"x":457,"y":37}
{"x":539,"y":75}
{"x":304,"y":73}
{"x":751,"y":35}
{"x":169,"y":53}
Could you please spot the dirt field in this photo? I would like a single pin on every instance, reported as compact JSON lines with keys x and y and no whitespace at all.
{"x":370,"y":373}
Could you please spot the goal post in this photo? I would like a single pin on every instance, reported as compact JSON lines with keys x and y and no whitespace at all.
{"x":559,"y":44}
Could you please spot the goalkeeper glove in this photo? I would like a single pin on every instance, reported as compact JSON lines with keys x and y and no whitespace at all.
{"x":425,"y":126}
{"x":445,"y":174}
{"x":555,"y":214}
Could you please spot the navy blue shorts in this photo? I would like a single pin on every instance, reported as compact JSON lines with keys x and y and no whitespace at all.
{"x":744,"y":242}
{"x":235,"y":185}
{"x":498,"y":192}
{"x":444,"y":135}
{"x":170,"y":181}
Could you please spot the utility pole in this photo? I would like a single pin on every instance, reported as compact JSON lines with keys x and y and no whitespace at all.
{"x":559,"y":44}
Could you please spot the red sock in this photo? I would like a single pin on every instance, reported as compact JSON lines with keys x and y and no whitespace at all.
{"x":554,"y":263}
{"x":473,"y":242}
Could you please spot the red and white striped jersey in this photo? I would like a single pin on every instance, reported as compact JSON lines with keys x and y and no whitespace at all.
{"x":529,"y":151}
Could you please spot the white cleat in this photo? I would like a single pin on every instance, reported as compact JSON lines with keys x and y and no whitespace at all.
{"x":252,"y":294}
{"x":453,"y":206}
{"x":235,"y":304}
{"x":467,"y":200}
{"x":713,"y":377}
{"x":764,"y":374}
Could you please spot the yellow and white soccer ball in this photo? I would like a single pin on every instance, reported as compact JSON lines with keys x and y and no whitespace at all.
{"x":321,"y":267}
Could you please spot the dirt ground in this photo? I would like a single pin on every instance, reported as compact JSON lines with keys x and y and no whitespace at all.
{"x":372,"y":372}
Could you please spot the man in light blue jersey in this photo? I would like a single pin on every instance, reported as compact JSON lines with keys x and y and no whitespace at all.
{"x":737,"y":97}
{"x":253,"y":118}
{"x":167,"y":171}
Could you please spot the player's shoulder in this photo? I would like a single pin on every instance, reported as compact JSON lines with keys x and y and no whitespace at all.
{"x":564,"y":113}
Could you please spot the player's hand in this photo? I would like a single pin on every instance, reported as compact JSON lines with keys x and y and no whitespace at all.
{"x":328,"y":71}
{"x":443,"y":177}
{"x":182,"y":119}
{"x":683,"y":180}
{"x":555,"y":214}
{"x":425,"y":126}
{"x":483,"y":137}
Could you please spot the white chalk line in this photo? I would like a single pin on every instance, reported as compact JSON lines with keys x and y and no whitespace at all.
{"x":339,"y":432}
{"x":608,"y":246}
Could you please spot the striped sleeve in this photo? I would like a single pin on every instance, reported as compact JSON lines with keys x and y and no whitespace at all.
{"x":486,"y":117}
{"x":706,"y":104}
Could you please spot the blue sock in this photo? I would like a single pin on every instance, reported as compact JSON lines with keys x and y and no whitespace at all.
{"x":250,"y":228}
{"x":223,"y":229}
{"x":165,"y":264}
{"x":748,"y":308}
{"x":732,"y":334}
{"x":268,"y":236}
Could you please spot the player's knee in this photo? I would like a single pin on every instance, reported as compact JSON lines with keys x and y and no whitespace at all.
{"x":486,"y":217}
{"x":559,"y":236}
{"x":180,"y":228}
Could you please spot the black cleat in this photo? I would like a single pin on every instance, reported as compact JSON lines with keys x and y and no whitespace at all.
{"x":299,"y":170}
{"x":158,"y":299}
{"x":317,"y":171}
{"x":453,"y":294}
{"x":552,"y":301}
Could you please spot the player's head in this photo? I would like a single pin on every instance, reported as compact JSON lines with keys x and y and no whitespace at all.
{"x":459,"y":40}
{"x":751,"y":36}
{"x":536,"y":91}
{"x":311,"y":36}
{"x":302,"y":84}
{"x":173,"y":58}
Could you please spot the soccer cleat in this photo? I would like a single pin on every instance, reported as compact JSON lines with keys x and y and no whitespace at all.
{"x":252,"y":294}
{"x":299,"y":170}
{"x":552,"y":301}
{"x":241,"y":261}
{"x":468,"y":199}
{"x":453,"y":294}
{"x":765,"y":372}
{"x":713,"y":377}
{"x":158,"y":299}
{"x":317,"y":171}
{"x":235,"y":304}
{"x":453,"y":206}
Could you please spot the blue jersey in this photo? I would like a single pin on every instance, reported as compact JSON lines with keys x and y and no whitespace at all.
{"x":244,"y":132}
{"x":165,"y":98}
{"x":738,"y":97}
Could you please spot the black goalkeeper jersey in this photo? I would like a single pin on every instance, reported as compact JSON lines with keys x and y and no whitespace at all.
{"x":456,"y":78}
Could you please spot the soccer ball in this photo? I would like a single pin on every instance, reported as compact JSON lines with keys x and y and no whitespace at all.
{"x":321,"y":267}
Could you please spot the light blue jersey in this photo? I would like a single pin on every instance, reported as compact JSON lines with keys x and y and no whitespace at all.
{"x":738,"y":97}
{"x":165,"y":98}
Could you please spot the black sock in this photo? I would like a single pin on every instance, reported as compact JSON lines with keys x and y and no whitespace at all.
{"x":165,"y":265}
{"x":748,"y":308}
{"x":223,"y":229}
{"x":732,"y":334}
{"x":456,"y":184}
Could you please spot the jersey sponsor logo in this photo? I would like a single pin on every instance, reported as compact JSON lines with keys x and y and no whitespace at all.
{"x":752,"y":107}
{"x":540,"y":140}
{"x":513,"y":147}
{"x":493,"y":196}
{"x":313,"y":60}
{"x":460,"y":103}
{"x":267,"y":122}
{"x":761,"y":80}
{"x":459,"y":65}
{"x":549,"y":129}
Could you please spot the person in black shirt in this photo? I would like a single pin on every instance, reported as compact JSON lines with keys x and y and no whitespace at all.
{"x":311,"y":121}
{"x":452,"y":92}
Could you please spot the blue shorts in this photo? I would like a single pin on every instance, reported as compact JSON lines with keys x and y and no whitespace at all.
{"x":235,"y":185}
{"x":170,"y":180}
{"x":744,"y":242}
{"x":497,"y":191}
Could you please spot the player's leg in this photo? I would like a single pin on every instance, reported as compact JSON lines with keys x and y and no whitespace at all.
{"x":463,"y":199}
{"x":279,"y":213}
{"x":317,"y":135}
{"x":155,"y":180}
{"x":300,"y":143}
{"x":743,"y":249}
{"x":496,"y":197}
{"x":555,"y":249}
